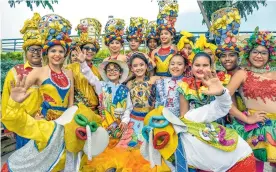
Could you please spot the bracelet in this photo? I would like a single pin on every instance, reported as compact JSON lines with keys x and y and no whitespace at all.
{"x":224,"y":90}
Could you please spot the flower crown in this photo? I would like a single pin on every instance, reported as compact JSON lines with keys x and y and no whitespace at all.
{"x":89,"y":31}
{"x":151,"y":31}
{"x":31,"y":34}
{"x":55,"y":30}
{"x":225,"y":25}
{"x":114,"y":30}
{"x":136,"y":28}
{"x":263,"y":38}
{"x":168,"y":12}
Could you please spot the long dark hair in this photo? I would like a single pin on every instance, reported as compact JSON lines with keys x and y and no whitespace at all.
{"x":140,"y":56}
{"x":202,"y":54}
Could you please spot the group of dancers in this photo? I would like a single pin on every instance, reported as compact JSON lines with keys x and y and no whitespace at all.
{"x":186,"y":105}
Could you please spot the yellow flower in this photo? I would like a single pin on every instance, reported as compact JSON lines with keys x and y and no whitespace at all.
{"x":56,"y":25}
{"x":234,"y":16}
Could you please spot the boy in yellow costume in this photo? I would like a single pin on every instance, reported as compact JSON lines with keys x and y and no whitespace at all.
{"x":32,"y":47}
{"x":55,"y":145}
{"x":89,"y":31}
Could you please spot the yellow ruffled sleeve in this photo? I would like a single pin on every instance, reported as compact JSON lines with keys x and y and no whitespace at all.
{"x":6,"y":91}
{"x":17,"y":120}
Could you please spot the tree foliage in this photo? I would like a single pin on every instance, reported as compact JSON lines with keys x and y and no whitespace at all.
{"x":245,"y":7}
{"x":37,"y":3}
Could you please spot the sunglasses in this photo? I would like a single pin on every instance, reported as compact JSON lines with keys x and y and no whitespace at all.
{"x":88,"y":48}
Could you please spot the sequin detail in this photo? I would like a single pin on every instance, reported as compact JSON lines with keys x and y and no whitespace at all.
{"x":254,"y":88}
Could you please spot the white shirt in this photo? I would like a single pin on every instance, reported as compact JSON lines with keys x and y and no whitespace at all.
{"x":204,"y":156}
{"x":94,"y":81}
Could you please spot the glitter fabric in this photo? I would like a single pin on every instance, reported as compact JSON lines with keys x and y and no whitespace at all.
{"x":28,"y":158}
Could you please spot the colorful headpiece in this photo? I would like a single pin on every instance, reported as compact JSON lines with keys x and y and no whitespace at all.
{"x":114,"y":30}
{"x":55,"y":30}
{"x":202,"y":44}
{"x":31,"y":33}
{"x":168,"y":12}
{"x":89,"y":31}
{"x":185,"y":39}
{"x":263,"y":38}
{"x":136,"y":28}
{"x":151,"y":31}
{"x":225,"y":25}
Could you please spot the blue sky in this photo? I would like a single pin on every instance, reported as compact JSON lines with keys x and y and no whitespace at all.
{"x":12,"y":19}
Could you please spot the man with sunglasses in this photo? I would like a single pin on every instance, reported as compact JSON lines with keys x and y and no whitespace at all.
{"x":88,"y":45}
{"x":32,"y":47}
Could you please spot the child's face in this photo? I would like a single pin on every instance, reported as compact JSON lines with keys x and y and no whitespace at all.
{"x":200,"y":65}
{"x":177,"y":66}
{"x":113,"y":73}
{"x":139,"y":67}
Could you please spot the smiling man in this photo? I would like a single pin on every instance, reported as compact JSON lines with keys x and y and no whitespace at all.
{"x":33,"y":57}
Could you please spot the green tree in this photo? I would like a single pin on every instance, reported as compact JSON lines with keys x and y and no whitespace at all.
{"x":245,"y":7}
{"x":37,"y":3}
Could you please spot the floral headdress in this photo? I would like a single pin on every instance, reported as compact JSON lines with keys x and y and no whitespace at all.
{"x":168,"y":12}
{"x":201,"y":44}
{"x":225,"y":25}
{"x":136,"y":28}
{"x":185,"y":38}
{"x":151,"y":31}
{"x":31,"y":34}
{"x":55,"y":30}
{"x":114,"y":30}
{"x":265,"y":39}
{"x":89,"y":31}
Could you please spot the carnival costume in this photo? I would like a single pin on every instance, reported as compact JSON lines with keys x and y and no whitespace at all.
{"x":167,"y":94}
{"x":122,"y":152}
{"x":165,"y":20}
{"x":195,"y":140}
{"x":89,"y":31}
{"x":31,"y":37}
{"x":55,"y":145}
{"x":258,"y":93}
{"x":142,"y":98}
{"x":186,"y":38}
{"x":151,"y":34}
{"x":191,"y":89}
{"x":225,"y":27}
{"x":55,"y":90}
{"x":114,"y":30}
{"x":136,"y":31}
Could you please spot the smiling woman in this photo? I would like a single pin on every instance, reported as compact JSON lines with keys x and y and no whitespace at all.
{"x":89,"y":31}
{"x":55,"y":83}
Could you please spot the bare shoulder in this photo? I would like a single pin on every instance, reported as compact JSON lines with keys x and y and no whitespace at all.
{"x":240,"y":74}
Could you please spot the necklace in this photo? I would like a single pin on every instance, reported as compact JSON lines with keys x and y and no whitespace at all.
{"x":59,"y":79}
{"x":164,"y":51}
{"x":200,"y":100}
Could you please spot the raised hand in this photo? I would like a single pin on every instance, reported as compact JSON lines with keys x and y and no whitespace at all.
{"x":18,"y":91}
{"x":80,"y":55}
{"x":213,"y":83}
